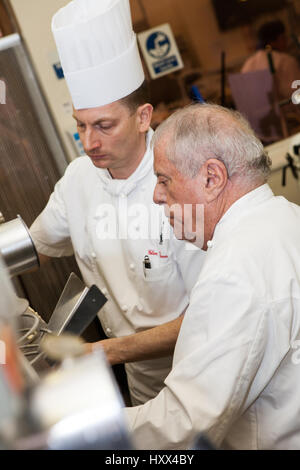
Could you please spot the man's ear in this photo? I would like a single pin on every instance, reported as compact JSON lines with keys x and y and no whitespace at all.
{"x":144,"y":114}
{"x":216,"y":177}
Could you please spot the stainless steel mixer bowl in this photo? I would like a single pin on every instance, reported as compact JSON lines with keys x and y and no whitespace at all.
{"x":17,"y":247}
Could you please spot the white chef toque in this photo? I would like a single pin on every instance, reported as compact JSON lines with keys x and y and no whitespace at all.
{"x":98,"y":51}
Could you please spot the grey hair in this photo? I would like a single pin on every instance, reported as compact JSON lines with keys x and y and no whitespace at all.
{"x":199,"y":132}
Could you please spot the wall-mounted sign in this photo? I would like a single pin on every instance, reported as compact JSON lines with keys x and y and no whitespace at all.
{"x":160,"y":50}
{"x":58,"y":71}
{"x":53,"y":59}
{"x":77,"y":144}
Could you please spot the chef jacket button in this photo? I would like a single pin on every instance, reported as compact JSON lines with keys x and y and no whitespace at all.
{"x":94,"y":255}
{"x":122,"y":195}
{"x":108,"y":331}
{"x":209,"y":244}
{"x":140,"y":308}
{"x":132,"y":266}
{"x":125,"y":308}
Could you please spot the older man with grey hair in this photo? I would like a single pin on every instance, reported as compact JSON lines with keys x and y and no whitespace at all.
{"x":236,"y":371}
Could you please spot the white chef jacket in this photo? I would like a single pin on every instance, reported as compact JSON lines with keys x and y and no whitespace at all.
{"x":236,"y":370}
{"x":83,"y":201}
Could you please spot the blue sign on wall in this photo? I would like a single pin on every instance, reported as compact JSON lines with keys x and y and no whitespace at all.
{"x":158,"y":45}
{"x":160,"y":50}
{"x":166,"y":64}
{"x":58,"y":70}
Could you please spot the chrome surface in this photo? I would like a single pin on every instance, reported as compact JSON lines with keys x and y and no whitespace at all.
{"x":74,"y":406}
{"x":79,"y":406}
{"x":16,"y":247}
{"x":7,"y":42}
{"x":77,"y":306}
{"x":30,"y":332}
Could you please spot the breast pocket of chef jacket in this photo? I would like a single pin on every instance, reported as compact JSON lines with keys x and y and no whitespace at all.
{"x":163,"y":286}
{"x":156,"y":270}
{"x":157,"y":263}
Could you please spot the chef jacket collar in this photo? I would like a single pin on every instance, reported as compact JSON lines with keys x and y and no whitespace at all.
{"x":116,"y":187}
{"x":239,"y":209}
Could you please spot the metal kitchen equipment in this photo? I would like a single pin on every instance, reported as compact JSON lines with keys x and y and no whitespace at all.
{"x":79,"y":407}
{"x":75,"y":406}
{"x":75,"y":310}
{"x":77,"y":307}
{"x":17,"y":247}
{"x":30,"y":332}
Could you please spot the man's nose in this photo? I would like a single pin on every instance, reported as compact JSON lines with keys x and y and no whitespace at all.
{"x":159,"y":196}
{"x":90,"y":140}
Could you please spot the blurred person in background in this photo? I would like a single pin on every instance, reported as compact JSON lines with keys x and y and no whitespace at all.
{"x":287,"y":68}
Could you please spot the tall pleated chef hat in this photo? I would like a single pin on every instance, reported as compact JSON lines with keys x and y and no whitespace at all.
{"x":98,"y":51}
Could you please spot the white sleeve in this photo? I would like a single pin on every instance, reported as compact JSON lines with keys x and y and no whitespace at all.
{"x":50,"y":231}
{"x":218,"y":355}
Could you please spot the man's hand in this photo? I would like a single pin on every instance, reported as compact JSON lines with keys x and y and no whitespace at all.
{"x":150,"y":344}
{"x":110,"y":346}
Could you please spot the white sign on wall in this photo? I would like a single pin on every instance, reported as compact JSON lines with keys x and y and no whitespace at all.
{"x":160,"y":50}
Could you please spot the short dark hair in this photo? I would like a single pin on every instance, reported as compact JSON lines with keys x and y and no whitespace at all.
{"x":269,"y":32}
{"x":137,"y":98}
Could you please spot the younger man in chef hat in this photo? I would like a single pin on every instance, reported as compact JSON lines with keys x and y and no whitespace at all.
{"x":101,"y":62}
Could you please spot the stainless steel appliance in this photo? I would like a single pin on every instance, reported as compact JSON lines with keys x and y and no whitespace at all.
{"x":77,"y":405}
{"x":17,"y":247}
